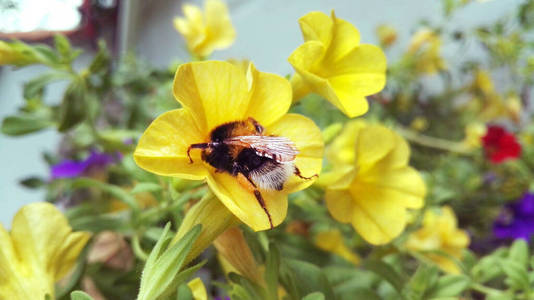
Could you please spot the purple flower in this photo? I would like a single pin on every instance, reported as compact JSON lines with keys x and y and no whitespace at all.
{"x":95,"y":161}
{"x":516,"y":220}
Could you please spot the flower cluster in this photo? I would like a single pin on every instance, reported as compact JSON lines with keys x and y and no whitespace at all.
{"x":352,"y":177}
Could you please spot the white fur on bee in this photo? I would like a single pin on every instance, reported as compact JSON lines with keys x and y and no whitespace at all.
{"x":272,"y":175}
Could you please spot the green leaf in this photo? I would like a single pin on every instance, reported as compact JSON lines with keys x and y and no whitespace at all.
{"x":424,"y":277}
{"x":161,"y":271}
{"x":62,"y":45}
{"x":488,"y":267}
{"x":102,"y":59}
{"x":449,"y":286}
{"x":146,"y":187}
{"x":271,"y":271}
{"x":386,"y":272}
{"x":114,"y":190}
{"x":73,"y":108}
{"x":41,"y":53}
{"x":79,"y":295}
{"x":181,"y":278}
{"x":25,"y":123}
{"x":361,"y":294}
{"x":32,"y":182}
{"x":516,"y":273}
{"x":314,"y":296}
{"x":308,"y":278}
{"x":35,"y":87}
{"x":519,"y":252}
{"x":184,"y":293}
{"x":242,"y":288}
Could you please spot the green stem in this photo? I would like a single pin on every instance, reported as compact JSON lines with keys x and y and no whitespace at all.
{"x":484,"y":289}
{"x":432,"y":142}
{"x":138,"y":251}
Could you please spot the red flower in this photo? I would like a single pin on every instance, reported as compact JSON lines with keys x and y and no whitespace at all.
{"x":500,"y":145}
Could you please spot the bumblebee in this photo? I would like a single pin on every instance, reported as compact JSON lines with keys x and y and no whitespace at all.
{"x":258,"y":161}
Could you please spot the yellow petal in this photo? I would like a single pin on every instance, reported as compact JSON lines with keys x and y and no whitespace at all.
{"x":345,"y":38}
{"x":340,"y":178}
{"x":373,"y":144}
{"x":40,"y":233}
{"x":380,"y":216}
{"x":308,"y":141}
{"x":299,"y":87}
{"x":366,"y":60}
{"x":68,"y":254}
{"x":215,"y":92}
{"x":270,"y":96}
{"x":162,"y":149}
{"x":11,"y":286}
{"x":305,"y":58}
{"x":405,"y":184}
{"x":340,"y":204}
{"x":446,"y":264}
{"x":244,"y":205}
{"x":38,"y":252}
{"x":198,"y":289}
{"x":342,"y":150}
{"x":316,"y":26}
{"x":219,"y":24}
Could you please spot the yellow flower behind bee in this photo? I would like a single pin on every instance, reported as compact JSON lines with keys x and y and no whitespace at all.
{"x":208,"y":31}
{"x":333,"y":64}
{"x":440,"y":233}
{"x":332,"y":241}
{"x":371,"y":185}
{"x":39,"y":251}
{"x":213,"y":93}
{"x":426,"y":47}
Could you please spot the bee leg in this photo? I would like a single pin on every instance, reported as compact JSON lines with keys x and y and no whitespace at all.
{"x":250,"y":186}
{"x":297,"y":172}
{"x":196,"y":146}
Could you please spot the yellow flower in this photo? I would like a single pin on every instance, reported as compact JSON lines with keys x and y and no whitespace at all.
{"x":198,"y":289}
{"x":489,"y":103}
{"x":440,"y":233}
{"x":386,"y":34}
{"x":39,"y":251}
{"x":473,"y":134}
{"x":426,"y":47}
{"x":206,"y":32}
{"x":483,"y":83}
{"x":15,"y":54}
{"x":371,"y":185}
{"x":332,"y":241}
{"x":419,"y":123}
{"x":213,"y":93}
{"x":333,"y":64}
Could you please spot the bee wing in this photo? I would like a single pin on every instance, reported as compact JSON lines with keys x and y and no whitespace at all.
{"x":280,"y":149}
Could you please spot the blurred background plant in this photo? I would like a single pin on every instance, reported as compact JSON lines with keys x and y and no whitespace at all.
{"x":468,"y":123}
